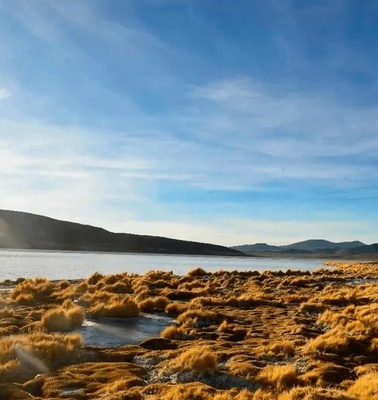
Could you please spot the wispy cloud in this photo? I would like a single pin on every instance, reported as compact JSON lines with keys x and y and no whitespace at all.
{"x":4,"y":93}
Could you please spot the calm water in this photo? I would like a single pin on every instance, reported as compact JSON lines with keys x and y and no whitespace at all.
{"x":75,"y":265}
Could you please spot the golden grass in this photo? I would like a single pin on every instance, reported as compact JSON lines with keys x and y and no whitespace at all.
{"x":365,"y":387}
{"x":282,"y":335}
{"x":153,"y":304}
{"x":64,"y":318}
{"x":198,"y":317}
{"x":95,"y":380}
{"x":116,"y":308}
{"x":173,"y":332}
{"x":197,"y":272}
{"x":23,"y":356}
{"x":285,"y":348}
{"x":32,"y":291}
{"x":200,"y":360}
{"x":311,"y":393}
{"x":188,"y":391}
{"x":278,"y":376}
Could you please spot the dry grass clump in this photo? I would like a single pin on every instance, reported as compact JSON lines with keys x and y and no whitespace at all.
{"x":7,"y":312}
{"x":336,"y":341}
{"x":365,"y":387}
{"x":100,"y":296}
{"x":198,"y":318}
{"x":186,"y":391}
{"x":22,"y":357}
{"x":326,"y":374}
{"x":96,"y":380}
{"x":176,"y":308}
{"x":153,"y":304}
{"x":283,"y":349}
{"x":366,"y":369}
{"x":278,"y":376}
{"x":95,"y":278}
{"x":62,"y":319}
{"x":199,"y":360}
{"x":173,"y":332}
{"x":353,"y":330}
{"x":312,"y":307}
{"x":242,"y":366}
{"x":32,"y":291}
{"x":311,"y":393}
{"x":116,"y":308}
{"x":197,"y":272}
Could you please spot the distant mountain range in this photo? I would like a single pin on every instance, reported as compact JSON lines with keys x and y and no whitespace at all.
{"x":311,"y":247}
{"x":20,"y":230}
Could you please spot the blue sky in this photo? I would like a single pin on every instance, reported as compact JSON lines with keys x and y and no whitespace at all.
{"x":228,"y":122}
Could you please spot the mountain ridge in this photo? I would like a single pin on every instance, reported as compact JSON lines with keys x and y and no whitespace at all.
{"x":22,"y":230}
{"x":311,"y":247}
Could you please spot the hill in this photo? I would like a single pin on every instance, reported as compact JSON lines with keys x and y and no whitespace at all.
{"x":363,"y":250}
{"x":257,"y":247}
{"x":313,"y":248}
{"x":321,"y":244}
{"x":20,"y":230}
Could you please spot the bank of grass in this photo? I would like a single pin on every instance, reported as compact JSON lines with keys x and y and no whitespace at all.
{"x":280,"y":335}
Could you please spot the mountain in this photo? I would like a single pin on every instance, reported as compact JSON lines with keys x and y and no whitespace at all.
{"x":313,"y":248}
{"x":363,"y":250}
{"x":315,"y":245}
{"x":257,"y":247}
{"x":22,"y":230}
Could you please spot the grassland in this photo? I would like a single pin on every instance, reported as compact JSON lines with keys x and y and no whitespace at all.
{"x":238,"y":336}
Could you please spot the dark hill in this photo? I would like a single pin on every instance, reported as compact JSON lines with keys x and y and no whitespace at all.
{"x":22,"y":230}
{"x":363,"y":250}
{"x":315,"y":245}
{"x":257,"y":247}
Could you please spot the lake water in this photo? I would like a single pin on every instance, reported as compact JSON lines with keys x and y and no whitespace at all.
{"x":76,"y":265}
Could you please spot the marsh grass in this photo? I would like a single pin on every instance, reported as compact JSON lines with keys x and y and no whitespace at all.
{"x":247,"y":335}
{"x":23,"y":356}
{"x":365,"y":387}
{"x":116,"y":308}
{"x":63,"y":319}
{"x":32,"y":291}
{"x":199,"y":360}
{"x":278,"y":377}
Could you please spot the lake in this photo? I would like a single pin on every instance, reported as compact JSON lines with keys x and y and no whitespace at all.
{"x":75,"y":265}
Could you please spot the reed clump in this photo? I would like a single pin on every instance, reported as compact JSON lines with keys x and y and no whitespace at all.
{"x":32,"y":291}
{"x":173,"y":332}
{"x":365,"y":387}
{"x":63,"y":319}
{"x":24,"y":356}
{"x":278,"y":377}
{"x":198,"y":317}
{"x":199,"y":360}
{"x":116,"y":308}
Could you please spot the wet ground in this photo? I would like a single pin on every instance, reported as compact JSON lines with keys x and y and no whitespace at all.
{"x":114,"y":332}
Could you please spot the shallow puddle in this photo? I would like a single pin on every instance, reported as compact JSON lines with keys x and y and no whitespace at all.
{"x":113,"y":332}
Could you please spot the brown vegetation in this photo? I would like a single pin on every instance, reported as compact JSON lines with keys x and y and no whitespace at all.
{"x":238,"y":335}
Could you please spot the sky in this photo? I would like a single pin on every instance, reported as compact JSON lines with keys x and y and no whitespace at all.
{"x":220,"y":121}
